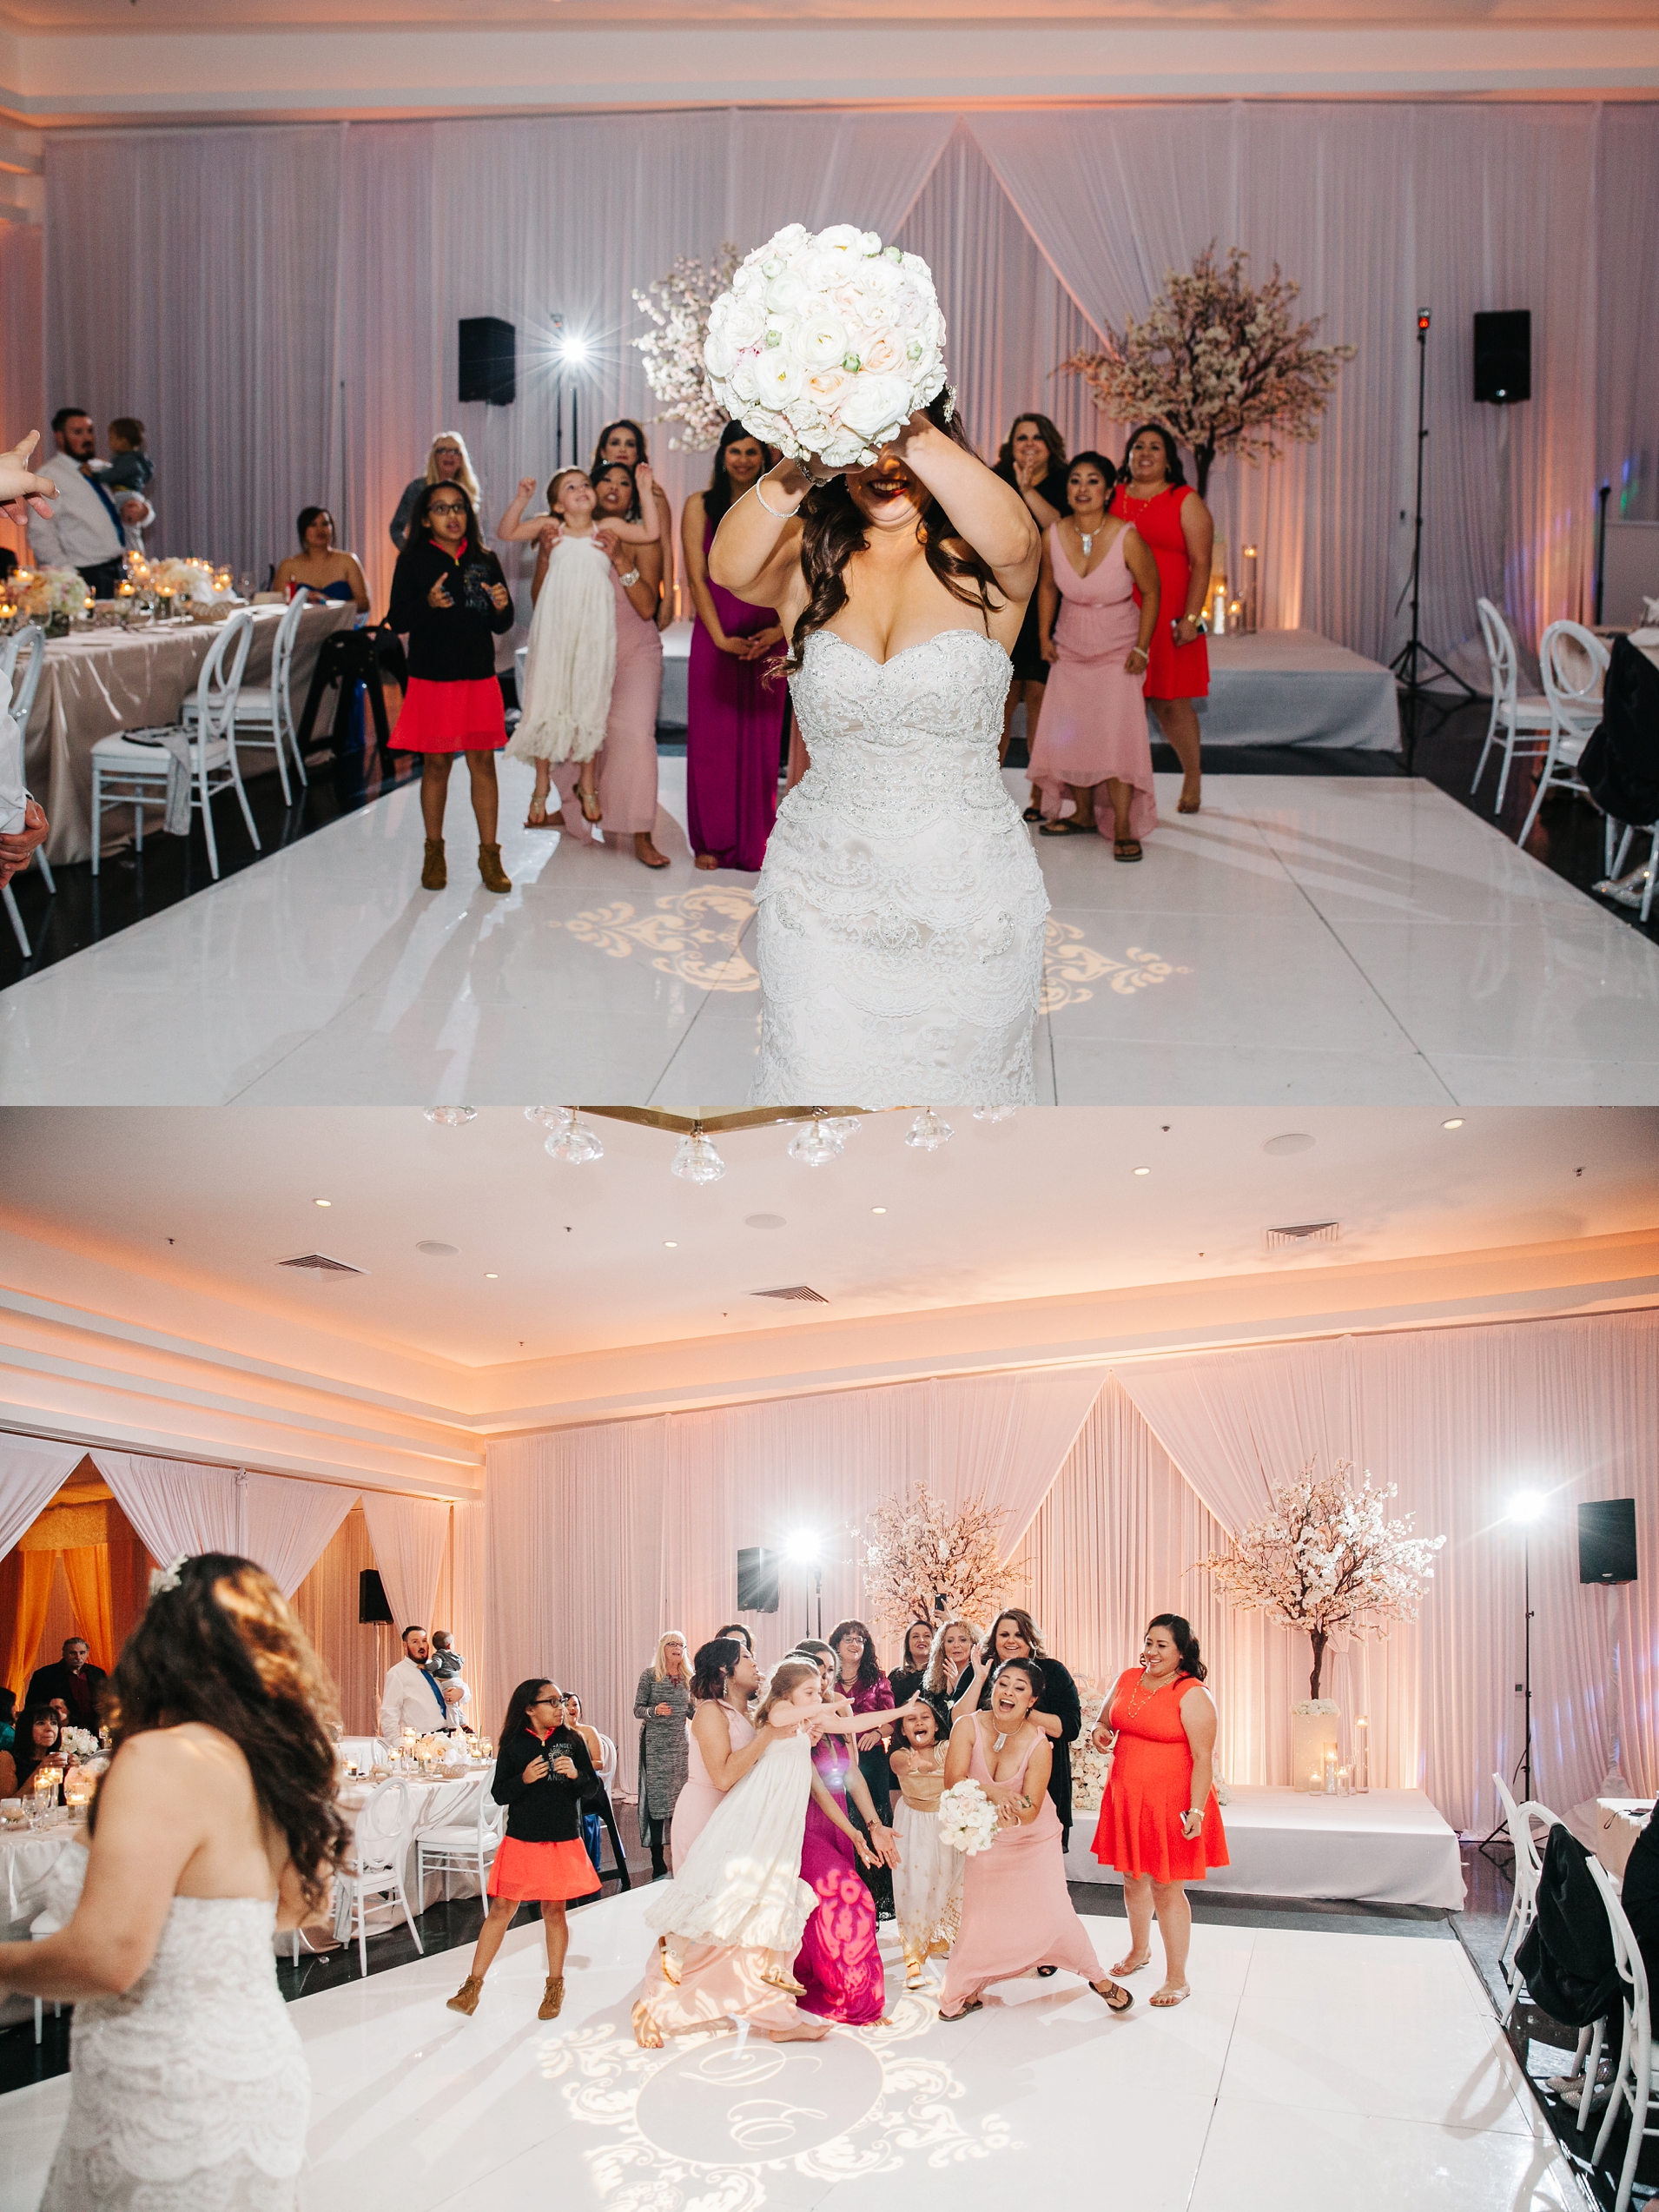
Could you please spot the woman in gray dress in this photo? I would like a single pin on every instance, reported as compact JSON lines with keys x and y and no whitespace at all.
{"x":661,"y":1705}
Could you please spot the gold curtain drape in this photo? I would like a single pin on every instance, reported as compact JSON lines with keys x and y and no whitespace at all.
{"x":86,"y":1567}
{"x":31,"y":1575}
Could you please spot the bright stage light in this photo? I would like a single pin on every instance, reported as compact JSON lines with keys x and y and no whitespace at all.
{"x":803,"y":1544}
{"x":573,"y":349}
{"x":1527,"y":1506}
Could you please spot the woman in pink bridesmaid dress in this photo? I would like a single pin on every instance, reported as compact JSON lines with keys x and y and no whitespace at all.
{"x":1096,"y":640}
{"x":1016,"y":1911}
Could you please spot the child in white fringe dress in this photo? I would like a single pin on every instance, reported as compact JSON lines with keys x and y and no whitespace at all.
{"x":571,"y":662}
{"x":928,"y":1880}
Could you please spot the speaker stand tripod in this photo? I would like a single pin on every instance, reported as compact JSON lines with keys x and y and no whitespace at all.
{"x":1409,"y":662}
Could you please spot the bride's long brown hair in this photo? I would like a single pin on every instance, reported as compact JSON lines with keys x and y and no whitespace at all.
{"x":833,"y":530}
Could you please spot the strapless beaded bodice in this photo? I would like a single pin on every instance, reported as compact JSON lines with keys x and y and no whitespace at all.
{"x":902,"y":908}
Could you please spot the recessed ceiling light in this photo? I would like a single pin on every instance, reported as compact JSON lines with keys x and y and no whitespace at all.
{"x":878,"y":1209}
{"x":323,"y":1202}
{"x":670,"y":1245}
{"x":1143,"y":1171}
{"x":492,"y":1278}
{"x":1455,"y":1122}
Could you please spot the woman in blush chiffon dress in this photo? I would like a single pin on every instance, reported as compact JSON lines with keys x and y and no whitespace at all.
{"x":735,"y":701}
{"x":1096,"y":638}
{"x":1160,"y":1825}
{"x":1016,"y":1911}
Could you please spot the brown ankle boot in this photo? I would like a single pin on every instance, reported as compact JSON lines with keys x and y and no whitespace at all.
{"x":466,"y":1999}
{"x":491,"y":874}
{"x":552,"y":1998}
{"x":433,"y":874}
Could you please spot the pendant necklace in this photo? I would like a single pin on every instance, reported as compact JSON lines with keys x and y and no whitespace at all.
{"x":1087,"y":537}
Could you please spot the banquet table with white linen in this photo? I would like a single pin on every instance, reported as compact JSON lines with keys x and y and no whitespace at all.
{"x":27,"y":1857}
{"x":1616,"y":1823}
{"x":109,"y":680}
{"x":1294,"y":687}
{"x":446,"y":1801}
{"x":1386,"y":1847}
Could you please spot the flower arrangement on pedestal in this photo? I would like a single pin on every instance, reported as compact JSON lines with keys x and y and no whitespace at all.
{"x":1090,"y":1768}
{"x":1327,"y":1561}
{"x":1220,"y":362}
{"x":673,"y":354}
{"x":925,"y":1560}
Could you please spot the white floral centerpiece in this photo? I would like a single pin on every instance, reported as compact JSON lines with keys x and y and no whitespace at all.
{"x":183,"y":580}
{"x":80,"y":1742}
{"x":966,"y":1819}
{"x":827,"y":343}
{"x":52,"y":595}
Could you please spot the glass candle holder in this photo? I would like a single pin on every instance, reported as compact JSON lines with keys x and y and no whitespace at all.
{"x":1360,"y":1763}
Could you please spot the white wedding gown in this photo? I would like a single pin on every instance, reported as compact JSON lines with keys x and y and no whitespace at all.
{"x":741,"y":1882}
{"x":900,"y":909}
{"x":190,"y":2093}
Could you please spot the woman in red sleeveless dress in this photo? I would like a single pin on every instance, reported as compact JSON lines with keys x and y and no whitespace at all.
{"x":1152,"y":494}
{"x":1160,"y":1825}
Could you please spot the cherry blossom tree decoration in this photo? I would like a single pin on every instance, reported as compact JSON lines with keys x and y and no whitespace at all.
{"x":924,"y":1558}
{"x":1327,"y":1561}
{"x":1220,"y":361}
{"x":678,"y":305}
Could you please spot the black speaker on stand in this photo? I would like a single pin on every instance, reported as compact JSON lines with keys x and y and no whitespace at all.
{"x":1607,"y":1558}
{"x":1503,"y":357}
{"x":373,"y":1611}
{"x":489,"y":367}
{"x":1409,"y":662}
{"x":756,"y":1581}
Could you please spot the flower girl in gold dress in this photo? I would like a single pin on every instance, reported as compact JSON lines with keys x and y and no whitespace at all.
{"x":928,"y":1880}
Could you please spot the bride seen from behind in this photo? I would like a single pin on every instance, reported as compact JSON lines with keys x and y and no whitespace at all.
{"x":901,"y":908}
{"x":215,"y":1825}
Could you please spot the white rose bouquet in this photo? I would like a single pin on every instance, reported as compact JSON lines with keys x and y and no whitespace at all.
{"x":827,"y":343}
{"x":967,"y":1819}
{"x":80,"y":1742}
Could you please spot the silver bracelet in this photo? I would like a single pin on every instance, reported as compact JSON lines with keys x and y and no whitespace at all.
{"x":788,"y":513}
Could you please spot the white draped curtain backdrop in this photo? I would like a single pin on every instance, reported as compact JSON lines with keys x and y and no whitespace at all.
{"x":599,"y":1538}
{"x":280,"y":303}
{"x":409,"y":1536}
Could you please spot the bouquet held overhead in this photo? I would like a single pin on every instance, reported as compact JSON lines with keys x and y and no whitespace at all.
{"x":827,"y":343}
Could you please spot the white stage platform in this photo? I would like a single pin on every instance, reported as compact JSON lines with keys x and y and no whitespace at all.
{"x":1389,"y":1847}
{"x":1278,"y":687}
{"x":1306,"y":2069}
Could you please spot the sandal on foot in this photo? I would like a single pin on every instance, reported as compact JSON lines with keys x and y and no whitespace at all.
{"x":589,"y":802}
{"x":1126,"y":849}
{"x":530,"y":821}
{"x":1032,"y":814}
{"x":973,"y":2004}
{"x":647,"y":2034}
{"x":1069,"y":826}
{"x":1132,"y":1964}
{"x":776,"y":1978}
{"x":1110,"y":1991}
{"x":1172,"y":1993}
{"x":1044,"y":1972}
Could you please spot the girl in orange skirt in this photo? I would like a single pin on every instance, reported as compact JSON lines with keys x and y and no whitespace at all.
{"x":542,"y":1772}
{"x":1159,"y":1824}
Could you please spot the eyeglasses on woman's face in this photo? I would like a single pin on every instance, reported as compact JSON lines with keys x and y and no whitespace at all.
{"x":445,"y":506}
{"x":534,"y":1702}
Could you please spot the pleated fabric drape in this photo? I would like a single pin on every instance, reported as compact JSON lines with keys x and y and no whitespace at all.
{"x":177,"y":1508}
{"x":32,"y":1471}
{"x":409,"y":1536}
{"x":598,"y":1539}
{"x":289,"y":1524}
{"x":86,"y":1569}
{"x":280,"y":304}
{"x":29,"y":1576}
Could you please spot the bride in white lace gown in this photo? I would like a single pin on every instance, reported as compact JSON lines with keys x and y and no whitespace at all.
{"x":900,"y":909}
{"x":188,"y":2087}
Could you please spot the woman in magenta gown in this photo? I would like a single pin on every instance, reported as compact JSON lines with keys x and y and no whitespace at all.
{"x":734,"y":716}
{"x":839,"y":1966}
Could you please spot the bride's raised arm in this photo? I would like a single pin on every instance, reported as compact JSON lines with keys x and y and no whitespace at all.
{"x":756,"y":550}
{"x":990,"y":514}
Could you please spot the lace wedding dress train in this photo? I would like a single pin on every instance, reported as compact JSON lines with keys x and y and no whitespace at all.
{"x":900,"y":909}
{"x":190,"y":2093}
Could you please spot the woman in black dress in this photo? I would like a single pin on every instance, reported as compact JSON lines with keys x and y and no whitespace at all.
{"x":1033,"y":460}
{"x":451,"y":601}
{"x":1058,"y":1714}
{"x":908,"y":1675}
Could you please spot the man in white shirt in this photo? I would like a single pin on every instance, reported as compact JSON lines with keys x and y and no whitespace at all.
{"x":412,"y":1698}
{"x":89,"y":530}
{"x":22,"y":825}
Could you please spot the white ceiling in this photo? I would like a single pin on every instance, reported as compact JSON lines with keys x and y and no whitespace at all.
{"x":392,"y":17}
{"x":1041,"y":1206}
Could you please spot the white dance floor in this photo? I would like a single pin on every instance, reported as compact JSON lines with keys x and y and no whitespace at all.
{"x":1308,"y":2070}
{"x":1302,"y":940}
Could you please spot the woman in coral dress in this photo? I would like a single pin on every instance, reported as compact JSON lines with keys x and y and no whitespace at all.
{"x":1152,"y":494}
{"x":1016,"y":1911}
{"x":1098,"y":599}
{"x":1159,"y":1824}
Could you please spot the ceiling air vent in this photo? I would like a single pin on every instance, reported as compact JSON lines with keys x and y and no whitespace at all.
{"x":1292,"y":1238}
{"x":320,"y":1263}
{"x":795,"y":1290}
